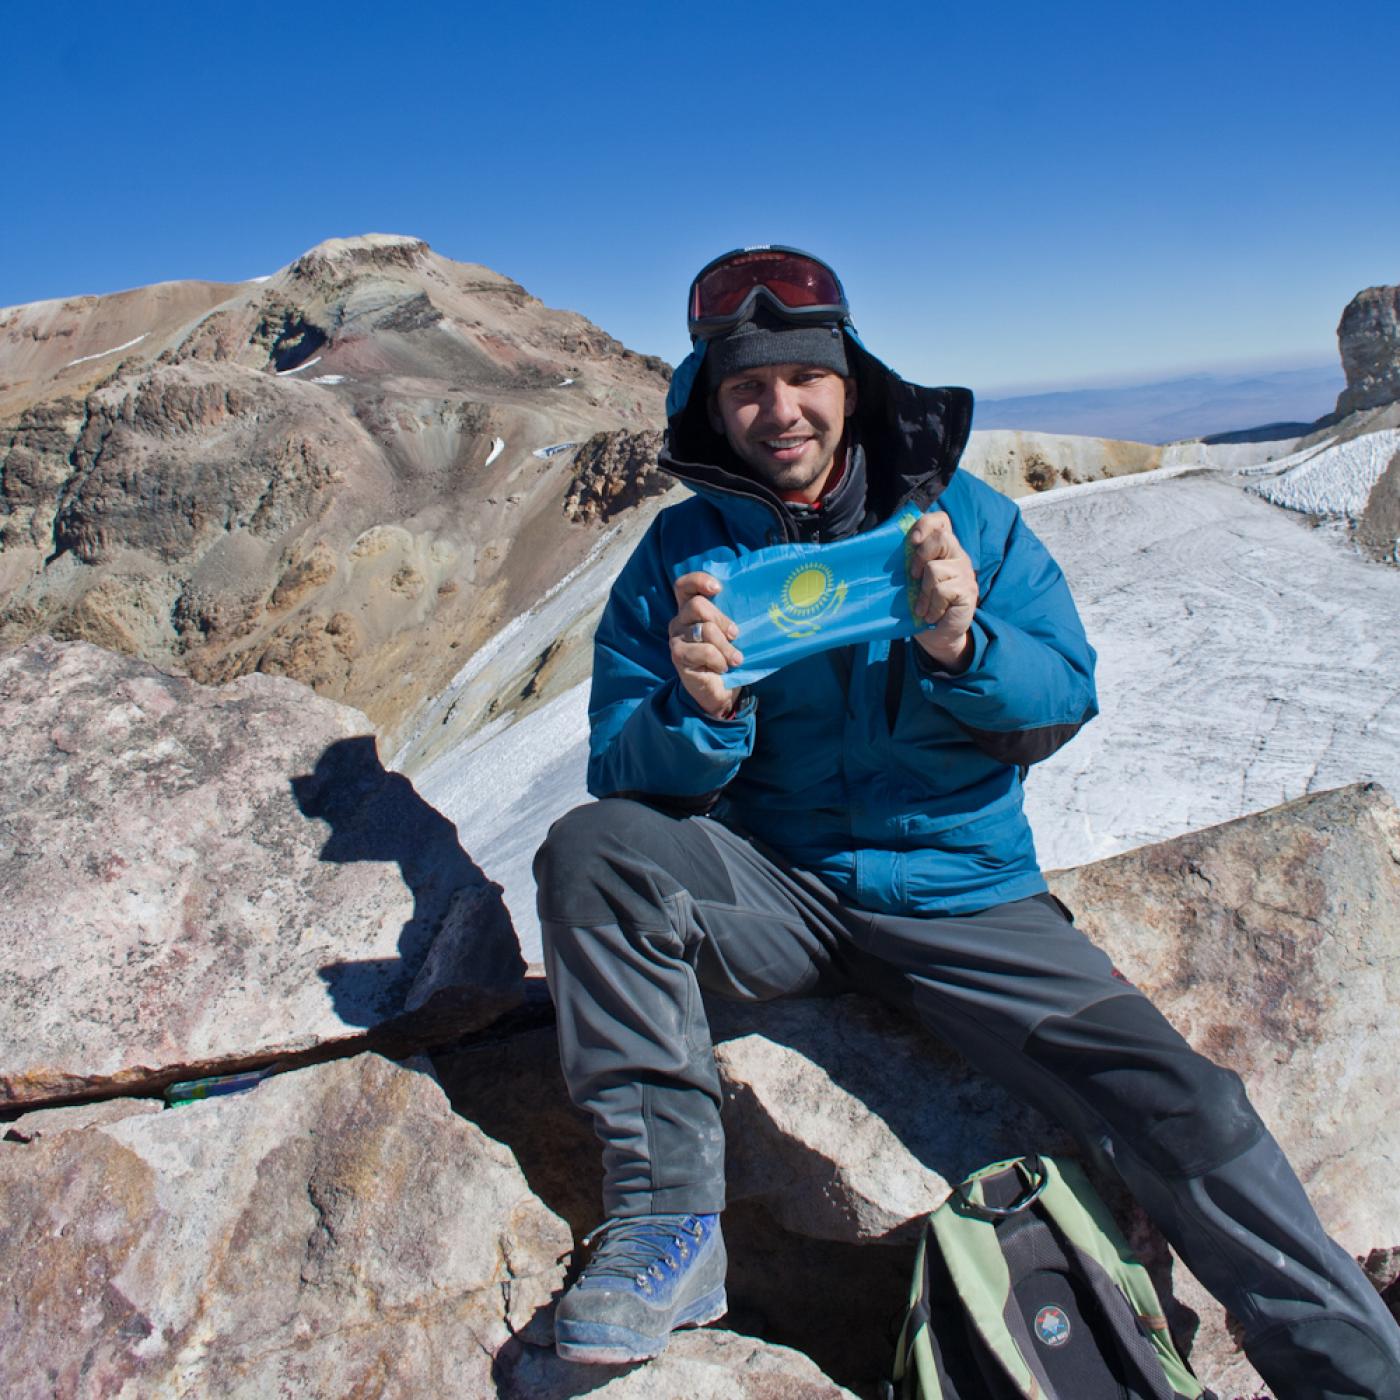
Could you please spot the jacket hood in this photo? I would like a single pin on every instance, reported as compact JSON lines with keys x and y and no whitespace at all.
{"x":913,"y":436}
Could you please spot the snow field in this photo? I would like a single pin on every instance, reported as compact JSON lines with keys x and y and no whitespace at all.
{"x":1244,"y":660}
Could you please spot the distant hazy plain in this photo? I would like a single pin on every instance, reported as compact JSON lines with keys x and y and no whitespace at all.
{"x":1167,"y":410}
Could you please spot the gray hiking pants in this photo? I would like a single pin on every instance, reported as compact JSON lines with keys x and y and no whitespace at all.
{"x":640,"y":911}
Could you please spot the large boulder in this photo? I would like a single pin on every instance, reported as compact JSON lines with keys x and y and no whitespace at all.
{"x":1368,"y":336}
{"x":195,"y":880}
{"x":1269,"y":940}
{"x":336,"y":1231}
{"x":512,"y":1088}
{"x":849,"y":1123}
{"x":1271,"y":943}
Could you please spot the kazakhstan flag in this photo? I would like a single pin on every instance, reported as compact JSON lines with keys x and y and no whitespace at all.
{"x":795,"y":599}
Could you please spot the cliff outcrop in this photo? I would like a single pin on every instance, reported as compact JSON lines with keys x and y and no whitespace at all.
{"x":615,"y":472}
{"x":1368,"y":336}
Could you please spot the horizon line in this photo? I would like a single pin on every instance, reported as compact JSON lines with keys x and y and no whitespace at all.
{"x":1131,"y":379}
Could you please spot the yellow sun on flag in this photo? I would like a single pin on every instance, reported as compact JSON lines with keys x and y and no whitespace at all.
{"x":806,"y":588}
{"x":811,"y":598}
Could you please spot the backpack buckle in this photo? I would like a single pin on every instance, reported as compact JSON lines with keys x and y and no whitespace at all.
{"x":1036,"y":1180}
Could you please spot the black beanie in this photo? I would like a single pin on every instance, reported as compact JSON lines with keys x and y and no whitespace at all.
{"x":766,"y":339}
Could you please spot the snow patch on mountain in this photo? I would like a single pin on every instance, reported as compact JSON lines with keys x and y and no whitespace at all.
{"x":505,"y":786}
{"x":297,"y":369}
{"x":101,"y":354}
{"x":1334,"y":479}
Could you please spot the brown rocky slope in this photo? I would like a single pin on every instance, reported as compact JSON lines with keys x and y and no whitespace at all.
{"x":339,"y":473}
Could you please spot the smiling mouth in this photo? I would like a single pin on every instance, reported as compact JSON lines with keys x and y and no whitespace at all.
{"x":785,"y":447}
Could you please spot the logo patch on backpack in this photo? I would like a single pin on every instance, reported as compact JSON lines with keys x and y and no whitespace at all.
{"x":1052,"y":1327}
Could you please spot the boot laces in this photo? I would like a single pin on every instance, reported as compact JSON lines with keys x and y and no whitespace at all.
{"x":637,"y":1247}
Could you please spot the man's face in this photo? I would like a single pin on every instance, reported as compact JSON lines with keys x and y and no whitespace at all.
{"x":785,"y":422}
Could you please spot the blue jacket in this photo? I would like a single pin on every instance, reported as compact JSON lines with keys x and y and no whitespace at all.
{"x":898,"y":785}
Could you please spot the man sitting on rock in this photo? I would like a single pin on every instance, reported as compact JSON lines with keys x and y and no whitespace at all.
{"x":854,"y":821}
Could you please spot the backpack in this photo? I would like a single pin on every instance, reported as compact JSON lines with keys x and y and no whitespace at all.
{"x":1024,"y":1289}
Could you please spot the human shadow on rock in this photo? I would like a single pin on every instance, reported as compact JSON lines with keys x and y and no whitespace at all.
{"x":376,"y":815}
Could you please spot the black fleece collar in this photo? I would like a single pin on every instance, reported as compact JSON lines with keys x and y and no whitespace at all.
{"x":841,"y":511}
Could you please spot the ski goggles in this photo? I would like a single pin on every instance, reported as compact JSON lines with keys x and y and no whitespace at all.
{"x":794,"y":284}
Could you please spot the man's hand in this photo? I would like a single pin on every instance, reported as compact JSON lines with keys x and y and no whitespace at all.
{"x":947,"y":590}
{"x":701,"y":657}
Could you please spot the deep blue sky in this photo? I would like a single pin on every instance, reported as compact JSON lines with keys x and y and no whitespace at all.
{"x":1014,"y":193}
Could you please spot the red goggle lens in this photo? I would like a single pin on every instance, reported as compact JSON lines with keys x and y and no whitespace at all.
{"x":796,"y":282}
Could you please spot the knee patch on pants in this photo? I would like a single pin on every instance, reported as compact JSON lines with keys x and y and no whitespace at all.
{"x":1318,"y":1356}
{"x":618,"y":861}
{"x":1183,"y":1114}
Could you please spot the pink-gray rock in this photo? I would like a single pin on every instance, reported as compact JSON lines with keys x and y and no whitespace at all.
{"x":1271,"y":942}
{"x":513,"y":1090}
{"x":704,"y":1365}
{"x":50,"y":1122}
{"x":336,"y":1231}
{"x":850,"y":1123}
{"x":195,"y":880}
{"x":1368,"y":336}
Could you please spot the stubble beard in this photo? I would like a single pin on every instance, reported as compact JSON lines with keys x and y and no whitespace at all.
{"x":787,"y":476}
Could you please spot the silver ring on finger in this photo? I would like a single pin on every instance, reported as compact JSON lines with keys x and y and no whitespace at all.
{"x":697,"y":631}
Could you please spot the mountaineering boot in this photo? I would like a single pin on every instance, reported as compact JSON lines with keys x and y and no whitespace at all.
{"x":650,"y":1275}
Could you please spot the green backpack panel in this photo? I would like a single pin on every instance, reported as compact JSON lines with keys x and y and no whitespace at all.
{"x":1024,"y":1289}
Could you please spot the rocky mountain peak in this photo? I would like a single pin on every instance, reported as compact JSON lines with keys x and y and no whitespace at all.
{"x":351,"y":472}
{"x":376,"y":250}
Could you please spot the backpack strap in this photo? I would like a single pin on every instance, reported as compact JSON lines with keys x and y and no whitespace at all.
{"x":914,"y":1363}
{"x":965,"y":1230}
{"x":938,"y":1356}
